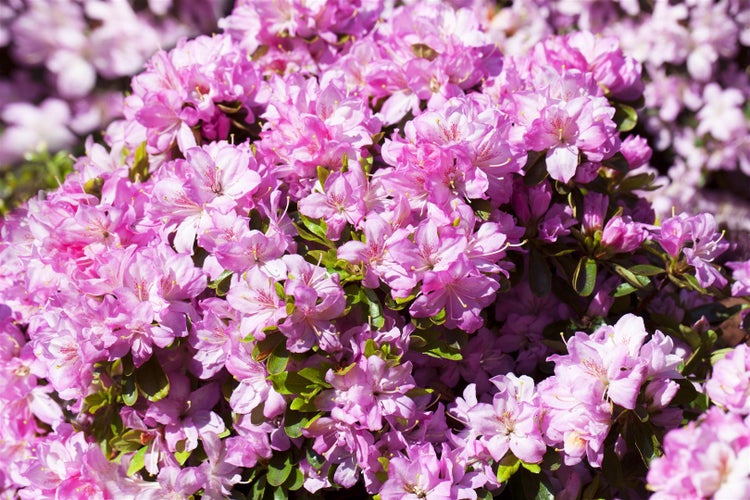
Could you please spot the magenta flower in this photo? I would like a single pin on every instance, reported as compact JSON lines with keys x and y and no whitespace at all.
{"x":370,"y":393}
{"x":510,"y":423}
{"x":421,"y":475}
{"x":567,"y":129}
{"x":255,"y":296}
{"x":461,"y":290}
{"x":341,"y":202}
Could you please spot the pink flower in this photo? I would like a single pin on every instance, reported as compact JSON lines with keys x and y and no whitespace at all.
{"x":461,"y":290}
{"x":729,"y":384}
{"x":421,"y":475}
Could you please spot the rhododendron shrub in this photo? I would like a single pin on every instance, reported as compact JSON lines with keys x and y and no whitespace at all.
{"x":695,"y":114}
{"x":358,"y":249}
{"x":65,"y":66}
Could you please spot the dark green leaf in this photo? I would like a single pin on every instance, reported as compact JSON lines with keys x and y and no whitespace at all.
{"x":636,"y":281}
{"x":128,"y":442}
{"x":221,"y":284}
{"x":536,"y":168}
{"x":295,"y":481}
{"x":617,"y":162}
{"x":536,"y":487}
{"x":540,"y":276}
{"x":589,"y":493}
{"x":645,"y":441}
{"x":94,"y":186}
{"x":264,"y":348}
{"x":430,"y":342}
{"x":375,"y":309}
{"x":129,"y":391}
{"x":316,"y":459}
{"x":279,"y":468}
{"x":151,"y":380}
{"x":482,"y":209}
{"x":638,"y":181}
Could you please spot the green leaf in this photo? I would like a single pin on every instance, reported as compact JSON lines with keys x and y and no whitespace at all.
{"x":626,"y":117}
{"x":623,"y":289}
{"x":424,"y":51}
{"x":507,"y":467}
{"x":129,"y":391}
{"x":151,"y":380}
{"x":93,"y":402}
{"x":182,"y":456}
{"x":316,"y":374}
{"x":638,"y":181}
{"x":646,"y":270}
{"x":617,"y":162}
{"x":645,"y":441}
{"x":139,"y":171}
{"x":316,"y":226}
{"x":278,"y":359}
{"x":374,"y":309}
{"x":290,"y":383}
{"x":295,"y":481}
{"x":536,"y":487}
{"x":370,"y":347}
{"x":431,"y":343}
{"x":482,"y":209}
{"x":440,"y":317}
{"x":693,"y":283}
{"x":128,"y":442}
{"x":221,"y":284}
{"x":94,"y":186}
{"x":138,"y":461}
{"x":318,"y":461}
{"x":305,"y":232}
{"x":533,"y":468}
{"x":484,"y":494}
{"x":584,"y":277}
{"x":264,"y":348}
{"x":279,"y":468}
{"x":303,"y":404}
{"x":636,"y":281}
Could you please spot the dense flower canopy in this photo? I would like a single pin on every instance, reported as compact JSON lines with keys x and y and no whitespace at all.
{"x":382,"y":247}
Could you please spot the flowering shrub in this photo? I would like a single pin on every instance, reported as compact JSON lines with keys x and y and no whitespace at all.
{"x":356,"y":247}
{"x":65,"y":65}
{"x":694,"y":55}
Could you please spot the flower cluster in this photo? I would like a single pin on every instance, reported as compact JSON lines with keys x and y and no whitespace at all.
{"x":705,"y":459}
{"x":354,"y":246}
{"x":693,"y":55}
{"x":82,"y":50}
